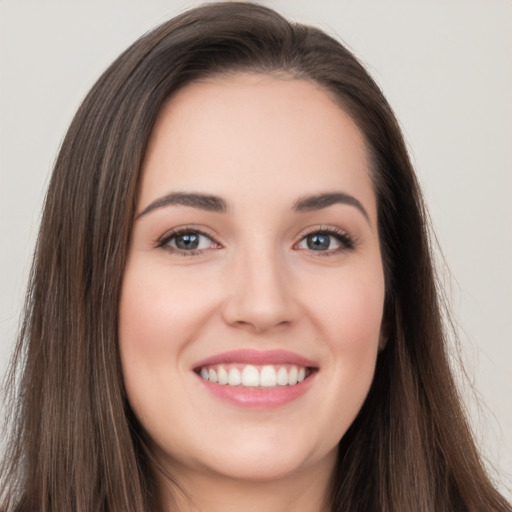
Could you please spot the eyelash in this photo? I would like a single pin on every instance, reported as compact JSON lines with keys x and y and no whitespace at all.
{"x":187,"y":230}
{"x":347,"y":242}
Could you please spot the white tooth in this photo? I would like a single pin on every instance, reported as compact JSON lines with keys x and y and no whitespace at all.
{"x":301,"y":375}
{"x":204,"y":373}
{"x":212,"y":375}
{"x":250,"y":376}
{"x":222,"y":375}
{"x":234,"y":377}
{"x":292,"y":376}
{"x":282,"y":376}
{"x":268,"y":377}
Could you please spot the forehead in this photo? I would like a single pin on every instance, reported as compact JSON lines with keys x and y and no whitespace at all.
{"x":246,"y":134}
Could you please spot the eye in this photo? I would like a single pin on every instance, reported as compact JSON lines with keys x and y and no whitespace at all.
{"x":188,"y":241}
{"x":326,"y":241}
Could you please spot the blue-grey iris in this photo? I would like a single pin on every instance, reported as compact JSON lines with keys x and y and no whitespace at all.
{"x":187,"y":241}
{"x":318,"y":242}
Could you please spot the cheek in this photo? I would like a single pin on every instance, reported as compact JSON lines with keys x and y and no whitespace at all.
{"x":146,"y":317}
{"x":348,"y":315}
{"x":153,"y":309}
{"x":157,"y":305}
{"x":348,"y":309}
{"x":160,"y":312}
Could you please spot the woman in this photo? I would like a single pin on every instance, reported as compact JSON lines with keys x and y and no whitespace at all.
{"x":232,"y":302}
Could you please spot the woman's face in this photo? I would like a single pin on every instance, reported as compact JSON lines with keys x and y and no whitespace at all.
{"x":253,"y":294}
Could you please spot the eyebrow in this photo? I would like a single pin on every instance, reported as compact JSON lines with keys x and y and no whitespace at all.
{"x":319,"y":201}
{"x":217,"y":204}
{"x":195,"y":200}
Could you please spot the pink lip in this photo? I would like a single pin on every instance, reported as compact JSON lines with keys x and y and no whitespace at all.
{"x":258,"y":398}
{"x":257,"y":358}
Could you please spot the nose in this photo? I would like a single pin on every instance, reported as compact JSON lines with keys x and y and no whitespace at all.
{"x":260,"y":296}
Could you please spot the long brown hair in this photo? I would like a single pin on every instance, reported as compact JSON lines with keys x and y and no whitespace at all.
{"x":75,"y":444}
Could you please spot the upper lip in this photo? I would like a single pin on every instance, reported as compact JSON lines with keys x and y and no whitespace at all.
{"x":256,"y":357}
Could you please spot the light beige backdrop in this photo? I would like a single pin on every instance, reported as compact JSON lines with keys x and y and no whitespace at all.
{"x":444,"y":65}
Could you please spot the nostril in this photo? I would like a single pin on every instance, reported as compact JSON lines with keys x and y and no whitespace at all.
{"x":261,"y":325}
{"x":259,"y":292}
{"x":257,"y":315}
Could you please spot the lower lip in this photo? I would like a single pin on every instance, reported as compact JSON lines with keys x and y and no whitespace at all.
{"x":259,"y":398}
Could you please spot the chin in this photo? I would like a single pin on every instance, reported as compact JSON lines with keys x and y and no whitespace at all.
{"x":260,"y":459}
{"x":260,"y":468}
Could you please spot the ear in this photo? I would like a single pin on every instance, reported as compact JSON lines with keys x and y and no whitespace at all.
{"x":383,"y":336}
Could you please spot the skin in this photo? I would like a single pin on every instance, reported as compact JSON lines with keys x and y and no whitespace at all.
{"x":261,"y":143}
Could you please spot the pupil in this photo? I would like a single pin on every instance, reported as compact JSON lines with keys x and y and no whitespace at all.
{"x":318,"y":242}
{"x":187,"y":241}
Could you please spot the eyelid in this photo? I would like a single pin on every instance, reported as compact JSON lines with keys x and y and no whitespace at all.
{"x":347,"y":240}
{"x":179,"y":230}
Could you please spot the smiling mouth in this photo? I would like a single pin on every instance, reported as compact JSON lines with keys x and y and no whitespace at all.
{"x":254,"y":376}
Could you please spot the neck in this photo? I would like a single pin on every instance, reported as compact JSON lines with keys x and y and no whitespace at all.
{"x":304,"y":491}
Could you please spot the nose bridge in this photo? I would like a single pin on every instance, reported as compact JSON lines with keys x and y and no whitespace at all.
{"x":260,"y":295}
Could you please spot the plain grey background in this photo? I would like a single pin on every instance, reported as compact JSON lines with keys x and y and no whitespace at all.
{"x":445,"y":66}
